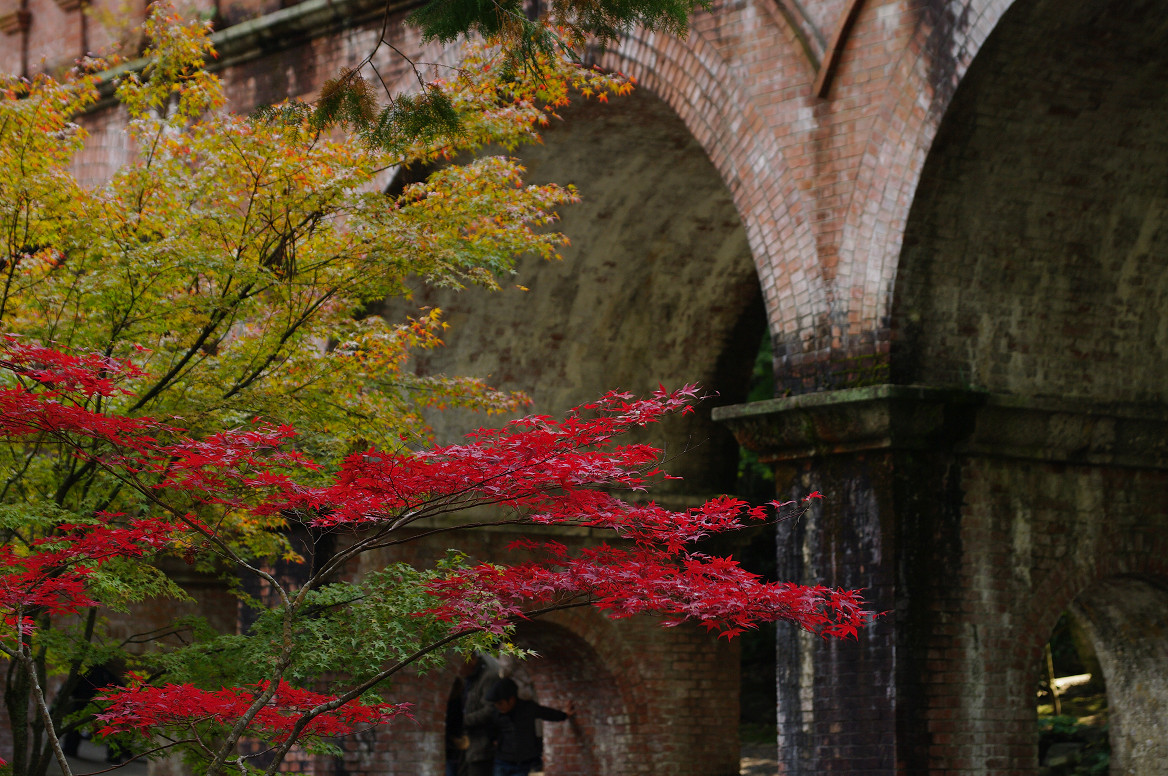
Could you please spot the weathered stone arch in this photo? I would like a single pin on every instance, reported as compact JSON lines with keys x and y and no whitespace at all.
{"x":1126,"y":619}
{"x":648,"y":700}
{"x":1034,"y":254}
{"x":711,"y":94}
{"x":601,"y":739}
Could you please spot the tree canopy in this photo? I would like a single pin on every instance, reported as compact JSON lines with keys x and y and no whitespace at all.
{"x":205,"y":697}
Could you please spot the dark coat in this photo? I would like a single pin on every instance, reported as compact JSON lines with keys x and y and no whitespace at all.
{"x":478,"y":714}
{"x":517,"y":741}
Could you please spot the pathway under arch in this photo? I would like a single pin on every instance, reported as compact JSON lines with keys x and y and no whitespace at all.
{"x":600,"y":739}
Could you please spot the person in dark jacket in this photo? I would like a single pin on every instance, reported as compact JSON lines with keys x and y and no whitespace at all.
{"x":517,"y":748}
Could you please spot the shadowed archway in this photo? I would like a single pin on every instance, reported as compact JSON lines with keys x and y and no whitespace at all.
{"x":599,"y":739}
{"x":1034,"y":256}
{"x":657,"y":287}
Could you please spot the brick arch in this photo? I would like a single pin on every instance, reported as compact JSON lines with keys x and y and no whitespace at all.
{"x":1124,"y":611}
{"x":1127,"y":549}
{"x":1123,"y":605}
{"x":599,"y":740}
{"x":650,"y":700}
{"x":710,"y":94}
{"x":704,"y":89}
{"x":1033,"y":539}
{"x":647,"y":700}
{"x":1126,"y":619}
{"x":1033,"y":255}
{"x":942,"y":41}
{"x":1032,"y":264}
{"x":1123,"y":547}
{"x":657,"y":287}
{"x":576,"y":658}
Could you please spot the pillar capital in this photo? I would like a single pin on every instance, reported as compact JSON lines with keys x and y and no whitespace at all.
{"x":968,"y":422}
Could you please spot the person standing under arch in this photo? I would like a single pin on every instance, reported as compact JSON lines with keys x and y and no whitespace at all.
{"x":479,"y":675}
{"x":517,"y":747}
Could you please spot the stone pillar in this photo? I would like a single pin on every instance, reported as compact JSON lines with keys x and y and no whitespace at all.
{"x":972,"y":520}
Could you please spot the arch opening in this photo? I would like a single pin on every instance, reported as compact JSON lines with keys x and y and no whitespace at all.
{"x":597,"y":740}
{"x":1072,"y":703}
{"x":658,"y":286}
{"x":1126,"y":621}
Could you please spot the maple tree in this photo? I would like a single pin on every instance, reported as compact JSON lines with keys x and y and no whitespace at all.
{"x":239,"y":261}
{"x":531,"y":471}
{"x":234,"y":249}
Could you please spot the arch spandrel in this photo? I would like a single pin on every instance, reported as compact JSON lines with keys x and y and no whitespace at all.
{"x":824,"y":186}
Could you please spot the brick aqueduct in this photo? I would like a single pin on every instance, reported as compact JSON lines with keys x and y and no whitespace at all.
{"x":952,"y":219}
